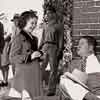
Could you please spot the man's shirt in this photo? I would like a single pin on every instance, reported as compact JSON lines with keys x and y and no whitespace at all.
{"x":92,"y":68}
{"x":53,"y":33}
{"x":92,"y":64}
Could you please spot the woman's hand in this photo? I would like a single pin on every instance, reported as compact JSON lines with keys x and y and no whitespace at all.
{"x":35,"y":55}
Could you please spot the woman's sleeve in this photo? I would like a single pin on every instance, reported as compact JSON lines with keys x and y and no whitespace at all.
{"x":16,"y":55}
{"x":42,"y":40}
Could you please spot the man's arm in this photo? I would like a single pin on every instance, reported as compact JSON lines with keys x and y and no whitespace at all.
{"x":42,"y":40}
{"x":61,"y":36}
{"x":2,"y":42}
{"x":60,"y":30}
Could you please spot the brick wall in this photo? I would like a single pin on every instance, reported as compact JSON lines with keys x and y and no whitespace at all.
{"x":86,"y":20}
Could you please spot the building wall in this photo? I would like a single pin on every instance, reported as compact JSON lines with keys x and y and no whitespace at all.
{"x":86,"y":21}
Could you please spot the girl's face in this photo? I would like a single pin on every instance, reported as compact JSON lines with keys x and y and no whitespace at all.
{"x":30,"y":25}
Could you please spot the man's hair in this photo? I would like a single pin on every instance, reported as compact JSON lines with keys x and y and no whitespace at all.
{"x":91,"y":41}
{"x":51,"y":9}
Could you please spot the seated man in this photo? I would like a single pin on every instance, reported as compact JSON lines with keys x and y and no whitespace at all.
{"x":89,"y":65}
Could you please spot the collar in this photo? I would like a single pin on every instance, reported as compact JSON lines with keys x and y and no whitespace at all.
{"x":32,"y":39}
{"x":90,"y":56}
{"x":27,"y":36}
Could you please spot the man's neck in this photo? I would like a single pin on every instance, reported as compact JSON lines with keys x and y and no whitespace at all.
{"x":51,"y":22}
{"x":85,"y":56}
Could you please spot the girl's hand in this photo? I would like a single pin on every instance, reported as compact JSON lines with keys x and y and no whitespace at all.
{"x":35,"y":54}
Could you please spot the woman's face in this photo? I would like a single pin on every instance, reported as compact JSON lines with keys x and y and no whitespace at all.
{"x":30,"y":24}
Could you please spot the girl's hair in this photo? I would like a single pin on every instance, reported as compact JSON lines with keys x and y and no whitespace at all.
{"x":26,"y":16}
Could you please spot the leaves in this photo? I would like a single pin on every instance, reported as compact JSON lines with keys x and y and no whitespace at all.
{"x":64,"y":12}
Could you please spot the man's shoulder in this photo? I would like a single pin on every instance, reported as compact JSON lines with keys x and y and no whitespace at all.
{"x":98,"y":57}
{"x":94,"y":58}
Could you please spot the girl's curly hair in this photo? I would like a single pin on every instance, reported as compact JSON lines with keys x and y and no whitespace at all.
{"x":26,"y":16}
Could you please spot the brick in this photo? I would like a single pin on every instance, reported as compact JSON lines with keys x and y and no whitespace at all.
{"x":77,"y":0}
{"x":98,"y":49}
{"x":94,"y":32}
{"x":75,"y":37}
{"x":76,"y":15}
{"x":76,"y":21}
{"x":79,"y":4}
{"x":84,"y":4}
{"x":97,"y":3}
{"x":90,"y":9}
{"x":98,"y":40}
{"x":99,"y":20}
{"x":82,"y":0}
{"x":75,"y":32}
{"x":90,"y":4}
{"x":86,"y":15}
{"x":81,"y":26}
{"x":97,"y":37}
{"x":98,"y":43}
{"x":85,"y":20}
{"x":89,"y":20}
{"x":94,"y":26}
{"x":86,"y":32}
{"x":80,"y":32}
{"x":76,"y":10}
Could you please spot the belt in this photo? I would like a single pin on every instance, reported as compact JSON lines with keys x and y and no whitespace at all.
{"x":50,"y":42}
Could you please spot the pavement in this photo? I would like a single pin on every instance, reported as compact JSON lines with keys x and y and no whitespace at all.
{"x":5,"y":90}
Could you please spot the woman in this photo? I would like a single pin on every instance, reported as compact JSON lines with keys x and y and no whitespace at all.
{"x":24,"y":56}
{"x":5,"y":60}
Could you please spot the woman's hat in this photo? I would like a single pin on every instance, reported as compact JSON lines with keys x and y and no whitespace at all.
{"x":78,"y":77}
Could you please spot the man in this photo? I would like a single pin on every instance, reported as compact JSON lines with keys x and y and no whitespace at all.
{"x":1,"y":37}
{"x":52,"y":46}
{"x":2,"y":43}
{"x":15,"y":29}
{"x":86,"y":50}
